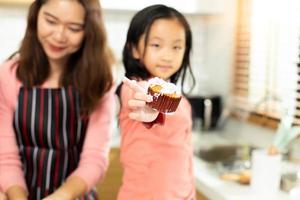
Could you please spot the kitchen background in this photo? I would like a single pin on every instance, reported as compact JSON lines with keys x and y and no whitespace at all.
{"x":235,"y":43}
{"x":212,"y":23}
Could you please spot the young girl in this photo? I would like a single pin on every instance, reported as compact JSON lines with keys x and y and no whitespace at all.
{"x":156,"y":149}
{"x":55,"y":104}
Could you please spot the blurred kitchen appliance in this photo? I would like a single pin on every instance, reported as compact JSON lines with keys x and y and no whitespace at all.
{"x":208,"y":109}
{"x":290,"y":180}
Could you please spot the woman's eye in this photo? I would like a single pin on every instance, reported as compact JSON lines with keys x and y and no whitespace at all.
{"x":75,"y":30}
{"x":50,"y":21}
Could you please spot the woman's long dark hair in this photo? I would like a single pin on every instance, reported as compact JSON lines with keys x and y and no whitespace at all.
{"x":88,"y":69}
{"x":140,"y":25}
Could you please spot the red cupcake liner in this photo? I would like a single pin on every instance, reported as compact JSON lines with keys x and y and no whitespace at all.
{"x":163,"y":103}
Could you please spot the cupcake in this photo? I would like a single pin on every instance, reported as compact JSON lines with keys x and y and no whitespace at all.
{"x":166,"y":96}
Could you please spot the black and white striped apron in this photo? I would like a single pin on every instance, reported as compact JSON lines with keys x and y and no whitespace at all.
{"x":50,"y":135}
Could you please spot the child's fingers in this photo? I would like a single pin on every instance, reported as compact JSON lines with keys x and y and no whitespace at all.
{"x":133,"y":104}
{"x":143,"y":115}
{"x":143,"y":97}
{"x":134,"y":116}
{"x":133,"y":85}
{"x":141,"y":93}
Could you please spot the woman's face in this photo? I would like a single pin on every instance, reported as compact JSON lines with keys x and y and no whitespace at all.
{"x":60,"y":28}
{"x":165,"y":48}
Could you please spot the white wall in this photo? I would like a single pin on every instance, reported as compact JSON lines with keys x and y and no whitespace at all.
{"x":12,"y":25}
{"x":213,"y":39}
{"x":220,"y":49}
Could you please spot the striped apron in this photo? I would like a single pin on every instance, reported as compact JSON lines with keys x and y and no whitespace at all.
{"x":50,"y":134}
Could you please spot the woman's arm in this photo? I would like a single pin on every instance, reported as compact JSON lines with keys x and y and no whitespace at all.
{"x":74,"y":187}
{"x":11,"y":174}
{"x":16,"y":193}
{"x":2,"y":196}
{"x":94,"y":156}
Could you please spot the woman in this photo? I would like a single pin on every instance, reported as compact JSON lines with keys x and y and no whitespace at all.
{"x":55,"y":109}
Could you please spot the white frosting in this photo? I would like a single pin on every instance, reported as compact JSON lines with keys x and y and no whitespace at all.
{"x":167,"y":87}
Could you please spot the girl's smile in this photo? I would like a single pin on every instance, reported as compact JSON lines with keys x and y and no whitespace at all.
{"x":164,"y":68}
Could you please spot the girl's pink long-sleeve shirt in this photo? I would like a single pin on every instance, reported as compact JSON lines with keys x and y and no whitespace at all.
{"x":157,"y":162}
{"x":94,"y":156}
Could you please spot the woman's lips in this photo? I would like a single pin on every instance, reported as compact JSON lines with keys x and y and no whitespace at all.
{"x":56,"y":48}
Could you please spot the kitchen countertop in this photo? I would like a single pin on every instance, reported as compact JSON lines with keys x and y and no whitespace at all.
{"x":208,"y":181}
{"x":211,"y":186}
{"x":207,"y":178}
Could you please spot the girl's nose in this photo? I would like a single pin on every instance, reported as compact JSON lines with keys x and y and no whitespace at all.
{"x":167,"y":55}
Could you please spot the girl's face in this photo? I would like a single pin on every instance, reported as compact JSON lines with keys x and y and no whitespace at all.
{"x":60,"y":28}
{"x":165,"y":48}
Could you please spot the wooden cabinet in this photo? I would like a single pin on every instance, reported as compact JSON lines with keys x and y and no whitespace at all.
{"x":16,"y":2}
{"x":200,"y":196}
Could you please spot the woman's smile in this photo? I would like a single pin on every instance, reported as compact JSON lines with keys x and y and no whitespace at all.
{"x":55,"y":48}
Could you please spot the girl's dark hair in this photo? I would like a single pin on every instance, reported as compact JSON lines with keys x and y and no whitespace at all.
{"x":141,"y":24}
{"x":88,"y":69}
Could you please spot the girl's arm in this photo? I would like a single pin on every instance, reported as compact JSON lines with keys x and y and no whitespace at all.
{"x":11,"y":175}
{"x":94,"y":156}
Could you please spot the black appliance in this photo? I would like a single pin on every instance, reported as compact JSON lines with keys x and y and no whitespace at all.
{"x":208,"y":109}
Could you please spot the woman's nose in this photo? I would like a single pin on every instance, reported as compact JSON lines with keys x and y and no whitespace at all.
{"x":60,"y":34}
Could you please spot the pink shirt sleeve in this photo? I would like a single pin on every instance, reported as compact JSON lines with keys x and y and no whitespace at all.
{"x":11,"y":173}
{"x":94,"y":156}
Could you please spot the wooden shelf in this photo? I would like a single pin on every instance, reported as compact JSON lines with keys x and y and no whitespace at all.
{"x":16,"y":2}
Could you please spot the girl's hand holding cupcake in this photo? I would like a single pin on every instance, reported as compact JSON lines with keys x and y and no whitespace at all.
{"x":140,"y":111}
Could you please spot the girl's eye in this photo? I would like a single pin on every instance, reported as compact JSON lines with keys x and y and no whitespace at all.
{"x":177,"y":48}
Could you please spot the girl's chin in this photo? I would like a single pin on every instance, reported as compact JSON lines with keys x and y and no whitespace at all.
{"x":164,"y":77}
